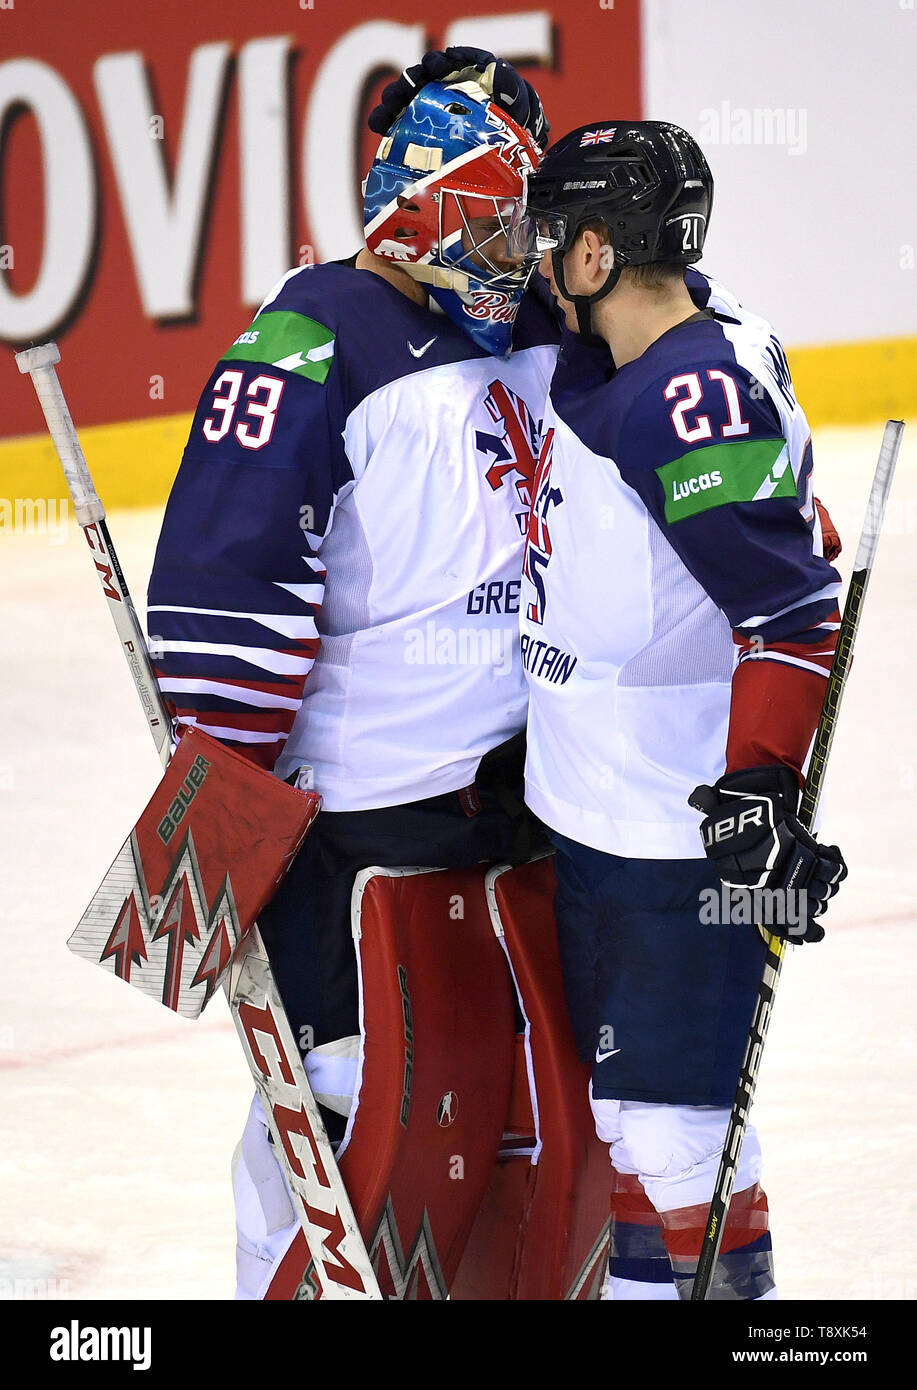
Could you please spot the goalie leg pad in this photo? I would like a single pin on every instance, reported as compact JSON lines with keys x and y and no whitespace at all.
{"x":265,"y":1219}
{"x":432,"y":1081}
{"x":555,"y":1212}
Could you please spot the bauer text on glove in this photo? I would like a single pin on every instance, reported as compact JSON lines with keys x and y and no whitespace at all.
{"x":752,"y":835}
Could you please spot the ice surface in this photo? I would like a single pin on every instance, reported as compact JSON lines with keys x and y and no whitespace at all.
{"x":119,"y":1120}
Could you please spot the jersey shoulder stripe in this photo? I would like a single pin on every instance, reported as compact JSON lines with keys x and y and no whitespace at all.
{"x":290,"y":341}
{"x":733,"y":471}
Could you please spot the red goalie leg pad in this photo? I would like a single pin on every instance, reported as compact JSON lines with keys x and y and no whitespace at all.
{"x":561,"y":1209}
{"x":434,"y":1076}
{"x":488,"y":1268}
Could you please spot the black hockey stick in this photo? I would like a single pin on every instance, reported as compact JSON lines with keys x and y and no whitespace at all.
{"x":748,"y":1076}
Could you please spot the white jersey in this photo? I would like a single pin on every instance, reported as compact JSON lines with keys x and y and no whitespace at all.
{"x":352,"y":600}
{"x":672,"y":519}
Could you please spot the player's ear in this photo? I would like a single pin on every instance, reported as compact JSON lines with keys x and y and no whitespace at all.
{"x":598,"y":257}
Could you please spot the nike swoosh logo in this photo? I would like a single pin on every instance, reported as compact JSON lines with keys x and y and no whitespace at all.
{"x":604,"y":1056}
{"x":419,"y":352}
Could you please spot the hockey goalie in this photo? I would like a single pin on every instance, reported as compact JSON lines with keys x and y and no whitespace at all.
{"x":335,"y":599}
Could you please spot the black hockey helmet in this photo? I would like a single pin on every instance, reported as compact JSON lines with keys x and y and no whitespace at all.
{"x":649,"y":183}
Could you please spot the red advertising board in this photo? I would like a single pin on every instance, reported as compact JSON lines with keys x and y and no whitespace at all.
{"x":161,"y":164}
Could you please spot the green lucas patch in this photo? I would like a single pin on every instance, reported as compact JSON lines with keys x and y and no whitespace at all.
{"x":286,"y":340}
{"x":747,"y":470}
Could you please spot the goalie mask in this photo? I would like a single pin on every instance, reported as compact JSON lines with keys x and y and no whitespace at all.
{"x":439,"y":199}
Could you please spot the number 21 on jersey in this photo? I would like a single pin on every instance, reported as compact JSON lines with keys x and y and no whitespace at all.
{"x":688,"y":392}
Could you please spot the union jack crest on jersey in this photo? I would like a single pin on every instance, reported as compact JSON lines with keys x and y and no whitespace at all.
{"x":513,"y":451}
{"x":599,"y":137}
{"x":537,"y":554}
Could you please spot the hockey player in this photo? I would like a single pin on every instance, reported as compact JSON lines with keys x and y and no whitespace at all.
{"x":336,"y":587}
{"x":672,"y":530}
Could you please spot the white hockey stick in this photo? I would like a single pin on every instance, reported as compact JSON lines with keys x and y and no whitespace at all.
{"x":340,"y":1267}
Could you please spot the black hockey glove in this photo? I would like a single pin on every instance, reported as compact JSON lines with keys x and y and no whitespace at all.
{"x":752,"y":835}
{"x":508,"y":88}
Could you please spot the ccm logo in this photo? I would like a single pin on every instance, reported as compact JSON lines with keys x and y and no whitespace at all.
{"x":734,"y":825}
{"x":316,"y":1187}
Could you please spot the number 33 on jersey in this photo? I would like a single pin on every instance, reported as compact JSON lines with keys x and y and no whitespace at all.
{"x":291,"y":342}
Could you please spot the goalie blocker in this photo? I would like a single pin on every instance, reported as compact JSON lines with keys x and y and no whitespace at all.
{"x":207,"y":854}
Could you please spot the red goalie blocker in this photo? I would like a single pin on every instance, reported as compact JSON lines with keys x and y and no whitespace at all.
{"x":211,"y":848}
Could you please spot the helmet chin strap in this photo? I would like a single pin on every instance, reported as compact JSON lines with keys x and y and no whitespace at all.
{"x":583,"y":302}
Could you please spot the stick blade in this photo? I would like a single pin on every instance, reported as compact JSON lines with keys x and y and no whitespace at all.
{"x":878,"y":496}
